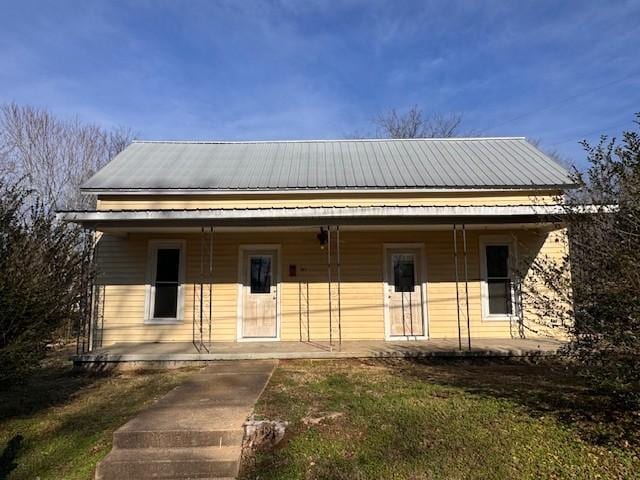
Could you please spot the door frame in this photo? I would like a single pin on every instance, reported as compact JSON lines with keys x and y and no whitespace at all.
{"x":422,"y":281}
{"x":242,"y":249}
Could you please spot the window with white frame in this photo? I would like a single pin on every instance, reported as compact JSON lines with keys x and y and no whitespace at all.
{"x":497,"y":284}
{"x":166,"y":278}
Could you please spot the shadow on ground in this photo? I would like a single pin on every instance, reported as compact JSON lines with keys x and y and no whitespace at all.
{"x":52,"y":384}
{"x":9,"y":454}
{"x":543,"y":387}
{"x":58,"y":423}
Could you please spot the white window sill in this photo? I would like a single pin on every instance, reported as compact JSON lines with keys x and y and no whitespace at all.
{"x":162,"y":321}
{"x":498,"y":318}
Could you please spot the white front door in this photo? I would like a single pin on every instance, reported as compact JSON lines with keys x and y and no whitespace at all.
{"x":260,"y":294}
{"x":404,"y":302}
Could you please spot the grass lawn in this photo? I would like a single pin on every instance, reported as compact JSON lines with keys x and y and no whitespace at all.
{"x":461,"y":419}
{"x":58,"y":424}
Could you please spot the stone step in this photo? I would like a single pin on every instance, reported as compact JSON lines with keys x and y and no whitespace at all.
{"x":124,"y":438}
{"x":170,"y":463}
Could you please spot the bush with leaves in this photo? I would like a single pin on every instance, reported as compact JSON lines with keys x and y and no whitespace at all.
{"x":41,"y":263}
{"x":595,"y":290}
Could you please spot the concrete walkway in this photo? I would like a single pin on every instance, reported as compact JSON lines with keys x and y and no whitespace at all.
{"x":195,"y":431}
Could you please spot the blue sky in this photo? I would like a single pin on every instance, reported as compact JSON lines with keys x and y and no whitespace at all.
{"x":323,"y":69}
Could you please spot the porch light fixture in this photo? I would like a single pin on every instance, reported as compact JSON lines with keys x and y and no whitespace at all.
{"x":322,"y":237}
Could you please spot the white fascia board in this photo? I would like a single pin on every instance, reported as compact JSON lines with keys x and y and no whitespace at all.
{"x":312,"y":212}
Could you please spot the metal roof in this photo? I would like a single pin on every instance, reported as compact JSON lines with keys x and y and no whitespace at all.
{"x":329,"y":165}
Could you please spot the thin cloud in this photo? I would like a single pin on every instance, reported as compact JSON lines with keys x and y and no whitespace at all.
{"x":288,"y":69}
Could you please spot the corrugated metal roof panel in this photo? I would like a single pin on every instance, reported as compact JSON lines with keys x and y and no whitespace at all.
{"x":330,"y":164}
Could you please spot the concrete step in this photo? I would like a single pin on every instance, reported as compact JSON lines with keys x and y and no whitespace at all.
{"x":170,"y":463}
{"x":189,"y":414}
{"x":124,"y":438}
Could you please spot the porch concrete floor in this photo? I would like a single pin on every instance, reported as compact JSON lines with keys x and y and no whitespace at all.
{"x":187,"y":352}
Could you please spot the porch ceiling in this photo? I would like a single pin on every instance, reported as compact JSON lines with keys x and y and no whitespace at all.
{"x":314,"y":216}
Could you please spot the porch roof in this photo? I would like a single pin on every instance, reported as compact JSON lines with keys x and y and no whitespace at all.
{"x":309,"y":216}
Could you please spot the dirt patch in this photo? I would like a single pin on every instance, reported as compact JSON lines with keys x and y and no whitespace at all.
{"x":321,"y":418}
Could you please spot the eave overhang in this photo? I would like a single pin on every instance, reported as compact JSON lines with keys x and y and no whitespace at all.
{"x":303,"y":216}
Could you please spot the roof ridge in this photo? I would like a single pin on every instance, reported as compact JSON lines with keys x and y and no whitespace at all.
{"x":217,"y":142}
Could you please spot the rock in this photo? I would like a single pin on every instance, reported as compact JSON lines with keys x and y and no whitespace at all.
{"x":263,"y":433}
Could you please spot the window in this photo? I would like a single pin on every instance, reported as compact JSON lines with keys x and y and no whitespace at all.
{"x":497,"y":282}
{"x":404,"y":279}
{"x":165,"y":303}
{"x":260,"y":274}
{"x":165,"y":285}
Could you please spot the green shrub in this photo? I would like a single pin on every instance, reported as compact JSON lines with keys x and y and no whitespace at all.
{"x":597,"y":285}
{"x":41,"y":264}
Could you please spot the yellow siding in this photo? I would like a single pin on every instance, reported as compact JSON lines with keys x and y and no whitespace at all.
{"x":123,"y":262}
{"x":134,"y":202}
{"x":553,"y":247}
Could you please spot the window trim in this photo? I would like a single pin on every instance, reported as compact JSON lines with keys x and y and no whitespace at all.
{"x":497,"y":240}
{"x":152,"y":261}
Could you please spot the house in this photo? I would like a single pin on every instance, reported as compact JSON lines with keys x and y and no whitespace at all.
{"x":212,"y":244}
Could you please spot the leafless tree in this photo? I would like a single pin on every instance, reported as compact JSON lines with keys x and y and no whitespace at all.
{"x":54,"y":156}
{"x":414,"y":124}
{"x":553,"y":154}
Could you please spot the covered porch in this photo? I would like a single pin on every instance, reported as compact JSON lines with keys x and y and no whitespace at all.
{"x":332,"y":291}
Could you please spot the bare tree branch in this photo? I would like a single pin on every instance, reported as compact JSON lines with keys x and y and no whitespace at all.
{"x":596,"y":291}
{"x":553,"y":154}
{"x":414,"y":124}
{"x":55,"y":156}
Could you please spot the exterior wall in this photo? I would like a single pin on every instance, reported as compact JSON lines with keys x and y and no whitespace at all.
{"x":319,"y":199}
{"x":122,"y":263}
